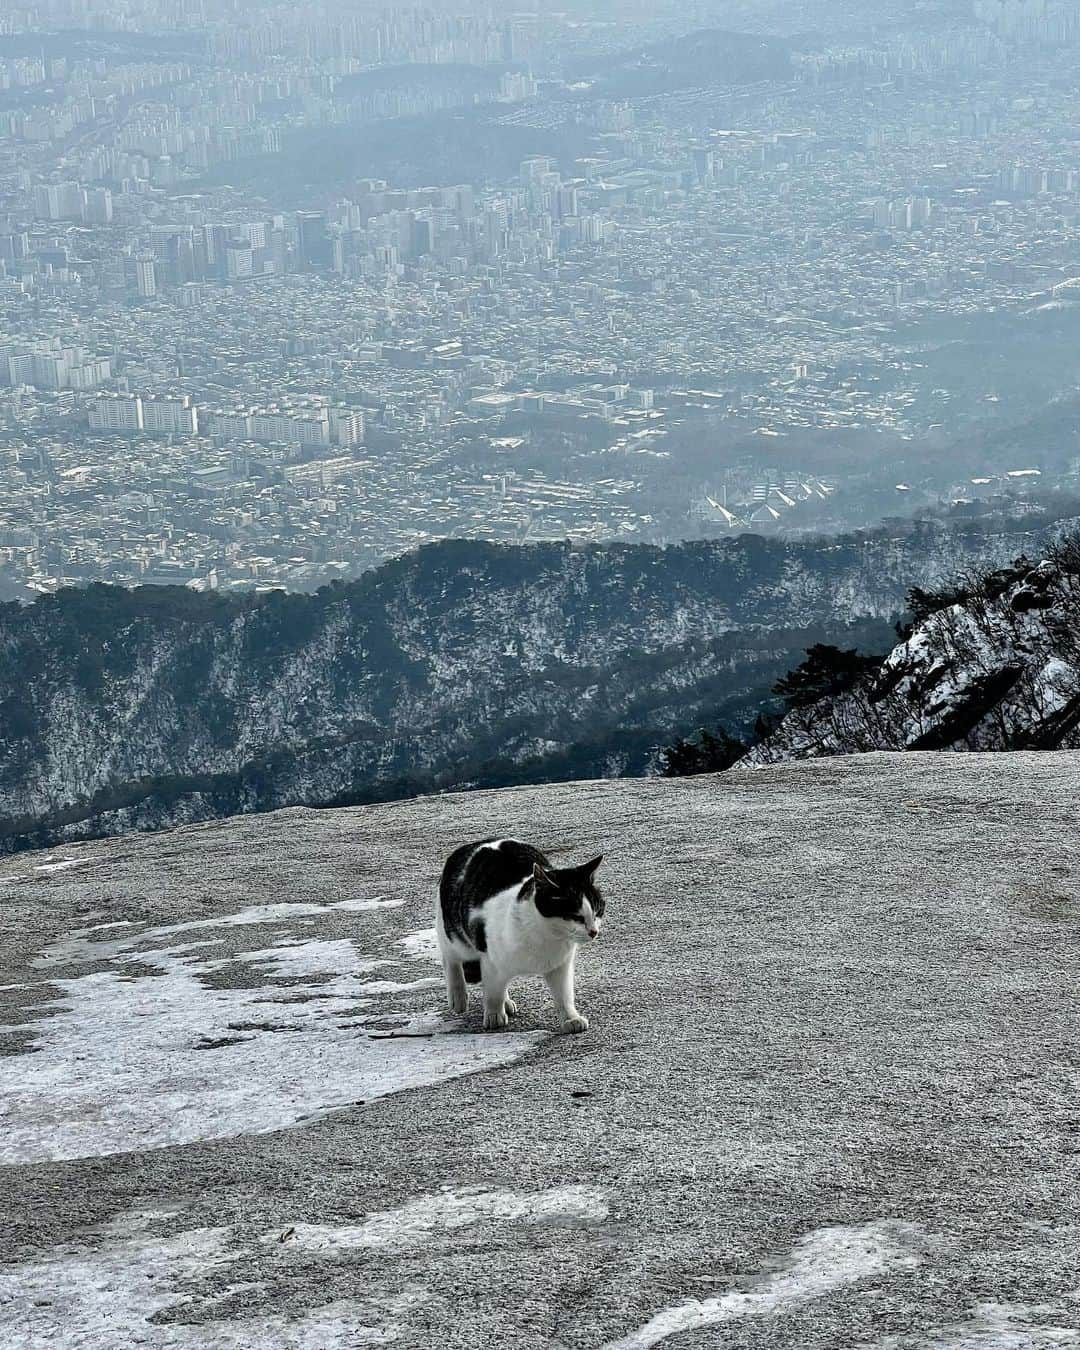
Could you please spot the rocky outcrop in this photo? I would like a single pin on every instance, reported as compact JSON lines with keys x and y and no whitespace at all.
{"x":996,"y":669}
{"x":829,"y":1095}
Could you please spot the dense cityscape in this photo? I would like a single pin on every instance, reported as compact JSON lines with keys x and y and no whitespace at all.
{"x":286,"y":294}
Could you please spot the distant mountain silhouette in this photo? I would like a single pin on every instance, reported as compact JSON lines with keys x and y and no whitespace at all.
{"x":696,"y":60}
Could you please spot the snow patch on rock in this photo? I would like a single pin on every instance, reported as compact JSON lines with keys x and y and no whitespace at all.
{"x":104,"y":1298}
{"x":421,"y":945}
{"x":823,"y":1261}
{"x":63,"y":865}
{"x":211,"y":1044}
{"x":79,"y":946}
{"x":104,"y":1294}
{"x":413,"y":1224}
{"x":993,"y":1326}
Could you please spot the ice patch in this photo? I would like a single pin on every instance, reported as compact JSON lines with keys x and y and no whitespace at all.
{"x":402,"y":986}
{"x":421,"y":945}
{"x":414,"y":1223}
{"x":993,"y":1326}
{"x":827,"y":1259}
{"x":126,"y":1061}
{"x":79,"y":946}
{"x":103,"y":1299}
{"x":308,"y":957}
{"x":63,"y":865}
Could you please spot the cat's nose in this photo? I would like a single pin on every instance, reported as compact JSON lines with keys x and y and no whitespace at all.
{"x":594,"y":932}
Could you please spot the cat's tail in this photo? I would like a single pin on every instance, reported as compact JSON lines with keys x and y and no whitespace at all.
{"x":472,"y":971}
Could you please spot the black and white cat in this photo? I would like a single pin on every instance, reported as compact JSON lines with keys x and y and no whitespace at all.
{"x":505,"y":911}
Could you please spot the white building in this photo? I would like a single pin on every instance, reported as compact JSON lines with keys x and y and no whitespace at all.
{"x":50,"y":365}
{"x":230,"y":425}
{"x":271,"y":426}
{"x":239,"y":261}
{"x":346,"y":426}
{"x":312,"y":429}
{"x":99,"y":207}
{"x":145,"y":276}
{"x":59,"y":201}
{"x":170,"y":416}
{"x":116,"y":412}
{"x":308,"y":427}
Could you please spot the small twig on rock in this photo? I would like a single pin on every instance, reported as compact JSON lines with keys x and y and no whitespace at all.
{"x":400,"y":1035}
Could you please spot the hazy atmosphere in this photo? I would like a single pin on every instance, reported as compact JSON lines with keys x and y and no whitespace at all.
{"x":288,"y":291}
{"x":484,"y":489}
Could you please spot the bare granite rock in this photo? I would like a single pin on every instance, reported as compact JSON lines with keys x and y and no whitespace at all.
{"x":992,"y":672}
{"x":830,"y":1095}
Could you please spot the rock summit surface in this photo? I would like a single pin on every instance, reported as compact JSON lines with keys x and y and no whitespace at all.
{"x":830,"y":1095}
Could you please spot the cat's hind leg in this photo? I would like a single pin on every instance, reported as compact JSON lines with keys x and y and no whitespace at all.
{"x":561,"y":983}
{"x":457,"y":993}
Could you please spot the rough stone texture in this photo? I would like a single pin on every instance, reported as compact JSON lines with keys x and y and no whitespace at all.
{"x":833,"y":1068}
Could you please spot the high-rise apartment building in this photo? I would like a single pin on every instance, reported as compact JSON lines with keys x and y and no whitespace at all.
{"x":239,"y":260}
{"x":536,"y":166}
{"x":59,"y":201}
{"x":99,"y":207}
{"x":145,"y":276}
{"x":50,"y":365}
{"x":346,"y":426}
{"x":313,"y":240}
{"x":116,"y":413}
{"x":233,"y":426}
{"x":170,"y":416}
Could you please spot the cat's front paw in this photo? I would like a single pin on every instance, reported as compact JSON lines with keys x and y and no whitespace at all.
{"x":495,"y":1019}
{"x":457,"y":1003}
{"x":510,"y":1008}
{"x":574,"y":1026}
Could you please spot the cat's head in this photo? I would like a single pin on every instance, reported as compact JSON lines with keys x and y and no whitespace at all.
{"x":569,"y":898}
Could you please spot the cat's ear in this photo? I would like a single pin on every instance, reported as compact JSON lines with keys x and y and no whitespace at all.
{"x":588,"y":870}
{"x":540,"y":875}
{"x":528,"y":889}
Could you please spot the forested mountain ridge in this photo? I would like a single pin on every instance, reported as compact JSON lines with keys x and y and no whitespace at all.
{"x":461,"y":664}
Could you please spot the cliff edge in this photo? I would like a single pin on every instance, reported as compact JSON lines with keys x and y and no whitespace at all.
{"x":830,"y":1095}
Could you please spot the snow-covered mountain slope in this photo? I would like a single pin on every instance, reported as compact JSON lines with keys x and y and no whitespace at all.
{"x":997,"y":669}
{"x":463,"y":663}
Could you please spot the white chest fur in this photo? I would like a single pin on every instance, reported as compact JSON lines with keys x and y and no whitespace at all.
{"x":520,"y":941}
